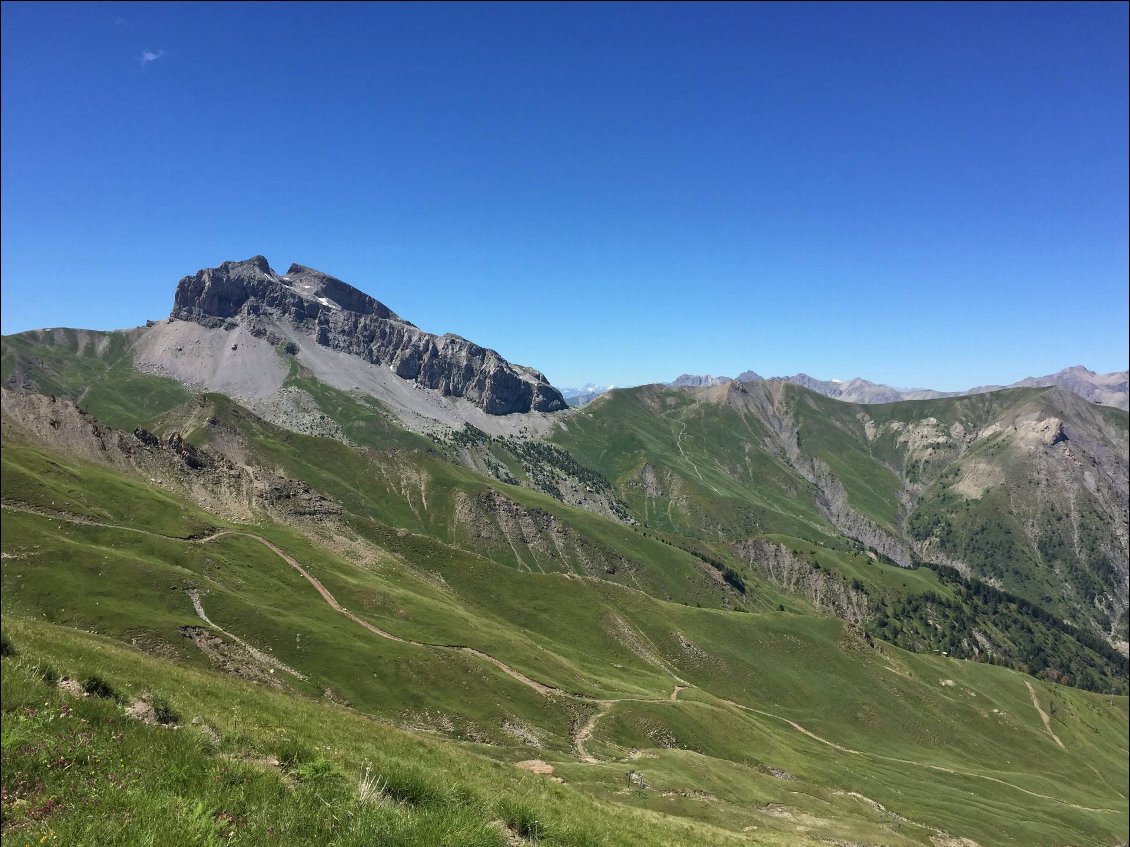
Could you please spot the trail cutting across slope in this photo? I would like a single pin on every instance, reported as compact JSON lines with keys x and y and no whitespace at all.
{"x":938,"y":768}
{"x":686,"y":458}
{"x":541,"y":688}
{"x":604,"y":705}
{"x":1043,"y":715}
{"x":259,"y":655}
{"x":585,"y":733}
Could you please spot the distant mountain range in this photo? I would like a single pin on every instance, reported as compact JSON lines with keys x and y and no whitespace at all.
{"x":1105,"y":389}
{"x":577,"y":397}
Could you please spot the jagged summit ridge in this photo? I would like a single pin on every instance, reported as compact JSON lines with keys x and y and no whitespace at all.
{"x":214,"y":295}
{"x":340,"y":317}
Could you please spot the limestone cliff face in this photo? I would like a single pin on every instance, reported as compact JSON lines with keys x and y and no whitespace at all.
{"x":340,"y":317}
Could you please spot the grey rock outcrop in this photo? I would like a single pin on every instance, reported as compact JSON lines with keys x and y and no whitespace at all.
{"x":696,"y":381}
{"x":338,"y":316}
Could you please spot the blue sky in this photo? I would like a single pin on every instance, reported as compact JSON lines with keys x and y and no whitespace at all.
{"x":919,"y":194}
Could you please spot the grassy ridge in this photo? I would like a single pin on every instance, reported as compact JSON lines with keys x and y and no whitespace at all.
{"x":95,"y":369}
{"x":722,"y":478}
{"x":407,"y":484}
{"x":714,"y":762}
{"x":268,"y":768}
{"x":691,"y":463}
{"x":752,"y":717}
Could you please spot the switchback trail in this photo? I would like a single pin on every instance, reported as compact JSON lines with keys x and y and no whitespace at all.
{"x":541,"y":688}
{"x":585,"y":732}
{"x":686,"y":458}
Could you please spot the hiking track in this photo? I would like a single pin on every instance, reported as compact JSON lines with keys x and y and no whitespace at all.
{"x":584,"y":734}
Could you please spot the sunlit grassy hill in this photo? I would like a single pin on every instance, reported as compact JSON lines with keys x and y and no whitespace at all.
{"x":1025,"y":489}
{"x":681,"y":620}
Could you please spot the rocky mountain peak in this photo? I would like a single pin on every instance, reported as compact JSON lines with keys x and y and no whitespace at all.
{"x":331,"y":291}
{"x":696,"y":381}
{"x":307,"y":304}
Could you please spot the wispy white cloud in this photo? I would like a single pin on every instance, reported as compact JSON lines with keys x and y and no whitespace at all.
{"x":148,"y":57}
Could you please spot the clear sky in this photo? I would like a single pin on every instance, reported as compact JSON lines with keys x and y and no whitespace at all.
{"x":930,"y":195}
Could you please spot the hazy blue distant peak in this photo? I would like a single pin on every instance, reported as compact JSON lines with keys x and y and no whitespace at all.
{"x":577,"y":397}
{"x":1112,"y":389}
{"x":696,"y":381}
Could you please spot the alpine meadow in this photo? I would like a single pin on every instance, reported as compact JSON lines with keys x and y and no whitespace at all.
{"x":279,"y":540}
{"x":281,"y":566}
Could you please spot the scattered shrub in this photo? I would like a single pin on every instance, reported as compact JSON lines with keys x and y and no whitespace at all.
{"x":292,"y":754}
{"x":414,"y":787}
{"x":96,"y":686}
{"x":522,"y":819}
{"x":163,"y":711}
{"x":319,"y":771}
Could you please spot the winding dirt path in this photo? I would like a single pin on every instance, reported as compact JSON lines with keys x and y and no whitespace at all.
{"x":1044,"y":716}
{"x":540,"y":687}
{"x":686,"y":458}
{"x":584,"y":734}
{"x":938,"y":768}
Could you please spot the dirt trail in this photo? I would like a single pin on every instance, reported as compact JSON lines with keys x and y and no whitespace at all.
{"x":322,"y":590}
{"x":1043,"y":715}
{"x":938,"y":768}
{"x":82,"y":520}
{"x":541,"y":688}
{"x":586,"y":731}
{"x":686,"y":458}
{"x":259,"y":655}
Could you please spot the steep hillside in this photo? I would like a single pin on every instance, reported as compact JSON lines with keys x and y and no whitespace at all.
{"x":311,"y":620}
{"x":391,"y":591}
{"x":1025,"y":489}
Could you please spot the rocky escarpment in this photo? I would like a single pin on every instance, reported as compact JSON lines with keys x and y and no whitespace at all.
{"x":210,"y":478}
{"x":804,"y":578}
{"x":339,"y":317}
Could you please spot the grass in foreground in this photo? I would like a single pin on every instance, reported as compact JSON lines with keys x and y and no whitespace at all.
{"x":251,"y":766}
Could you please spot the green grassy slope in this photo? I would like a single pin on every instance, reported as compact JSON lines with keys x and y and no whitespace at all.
{"x":938,"y":744}
{"x":405,"y":482}
{"x":970,"y":480}
{"x":249,"y":765}
{"x":711,"y":472}
{"x":95,"y":369}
